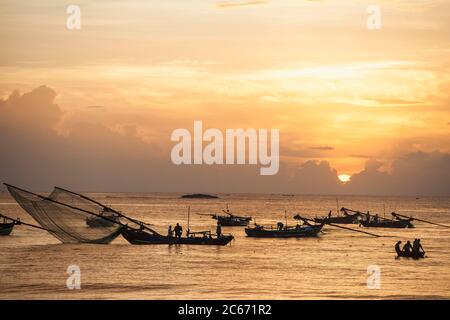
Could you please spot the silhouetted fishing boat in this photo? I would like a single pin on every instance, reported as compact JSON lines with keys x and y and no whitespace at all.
{"x":297,"y":231}
{"x":345,"y":219}
{"x":6,"y":228}
{"x":385,"y":223}
{"x":417,"y":255}
{"x":231,"y":220}
{"x":375,"y":221}
{"x":195,"y":238}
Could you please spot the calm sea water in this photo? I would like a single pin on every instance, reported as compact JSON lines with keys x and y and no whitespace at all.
{"x":33,"y":264}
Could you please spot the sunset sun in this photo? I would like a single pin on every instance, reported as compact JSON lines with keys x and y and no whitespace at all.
{"x":344,"y":177}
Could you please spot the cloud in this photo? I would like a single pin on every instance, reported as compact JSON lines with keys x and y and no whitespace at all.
{"x":35,"y":108}
{"x":416,"y":173}
{"x":95,"y":157}
{"x":315,"y":177}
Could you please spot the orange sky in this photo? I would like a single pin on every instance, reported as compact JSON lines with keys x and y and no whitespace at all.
{"x":336,"y":90}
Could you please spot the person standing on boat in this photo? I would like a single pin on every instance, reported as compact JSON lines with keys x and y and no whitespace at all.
{"x":368,"y":216}
{"x":397,"y":248}
{"x":375,"y":219}
{"x":329,"y":214}
{"x":170,"y":232}
{"x":178,"y":231}
{"x":219,"y":230}
{"x":407,"y":247}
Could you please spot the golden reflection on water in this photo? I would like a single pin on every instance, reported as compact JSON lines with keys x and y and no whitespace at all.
{"x":33,"y":264}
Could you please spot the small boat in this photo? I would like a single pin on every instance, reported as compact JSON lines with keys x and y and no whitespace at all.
{"x":231,"y":220}
{"x":284,"y":232}
{"x":374,"y":221}
{"x":196,"y":238}
{"x":417,"y":255}
{"x":345,"y":219}
{"x":385,"y":223}
{"x":6,"y":228}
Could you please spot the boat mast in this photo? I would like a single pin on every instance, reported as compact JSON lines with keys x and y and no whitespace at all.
{"x":189,"y":218}
{"x":285,"y":217}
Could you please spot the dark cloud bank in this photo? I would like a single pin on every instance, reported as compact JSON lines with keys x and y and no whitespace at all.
{"x":93,"y":158}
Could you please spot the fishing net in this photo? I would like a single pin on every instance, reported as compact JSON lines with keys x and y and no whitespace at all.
{"x":70,"y":218}
{"x":83,"y":202}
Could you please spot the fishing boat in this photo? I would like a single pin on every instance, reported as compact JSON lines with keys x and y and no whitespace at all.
{"x":345,"y":219}
{"x":6,"y":228}
{"x":417,"y":255}
{"x":231,"y":220}
{"x":260,"y":231}
{"x":285,"y":231}
{"x":385,"y":223}
{"x":143,"y":237}
{"x":374,"y":221}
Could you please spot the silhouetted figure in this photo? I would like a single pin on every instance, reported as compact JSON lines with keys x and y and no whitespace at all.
{"x":170,"y":232}
{"x":280,"y":226}
{"x":368,"y":216}
{"x":329,"y":214}
{"x":398,"y":249}
{"x":417,"y":248}
{"x":298,"y":227}
{"x":407,"y":248}
{"x":219,"y":230}
{"x":375,"y":219}
{"x":178,"y":231}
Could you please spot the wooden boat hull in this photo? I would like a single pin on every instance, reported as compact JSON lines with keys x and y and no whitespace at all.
{"x":144,"y":238}
{"x":388,"y":224}
{"x":411,"y":255}
{"x":291,"y":233}
{"x":338,"y":220}
{"x":6,"y":228}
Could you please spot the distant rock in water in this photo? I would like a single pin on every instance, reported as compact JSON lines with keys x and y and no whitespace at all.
{"x":199,"y":196}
